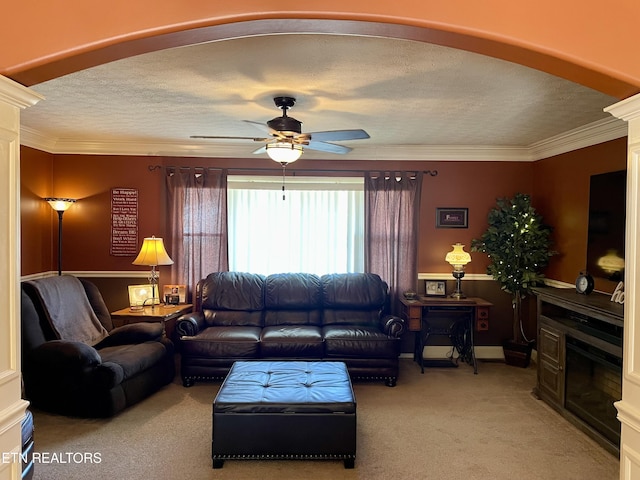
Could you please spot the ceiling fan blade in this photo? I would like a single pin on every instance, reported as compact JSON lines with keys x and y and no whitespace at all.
{"x":262,"y":149}
{"x":265,"y":128}
{"x":217,"y":137}
{"x":339,"y":135}
{"x":327,"y":147}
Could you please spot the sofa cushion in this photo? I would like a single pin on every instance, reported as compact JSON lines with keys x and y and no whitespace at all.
{"x":233,"y":298}
{"x":303,"y":341}
{"x":292,"y":299}
{"x":352,"y":298}
{"x":362,"y":342}
{"x":223,"y":342}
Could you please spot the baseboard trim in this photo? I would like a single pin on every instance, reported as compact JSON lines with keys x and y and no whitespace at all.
{"x":483,"y":352}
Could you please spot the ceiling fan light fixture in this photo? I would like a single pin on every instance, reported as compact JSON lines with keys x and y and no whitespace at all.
{"x":284,"y":152}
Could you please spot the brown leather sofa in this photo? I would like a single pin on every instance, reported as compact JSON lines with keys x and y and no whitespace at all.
{"x":74,"y":362}
{"x":295,"y":316}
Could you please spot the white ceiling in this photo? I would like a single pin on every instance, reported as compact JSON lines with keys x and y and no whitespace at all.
{"x":417,"y":101}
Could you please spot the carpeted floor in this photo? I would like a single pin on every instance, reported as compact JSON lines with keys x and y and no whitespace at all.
{"x":447,"y":424}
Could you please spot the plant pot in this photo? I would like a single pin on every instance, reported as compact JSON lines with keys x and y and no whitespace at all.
{"x":517,"y":354}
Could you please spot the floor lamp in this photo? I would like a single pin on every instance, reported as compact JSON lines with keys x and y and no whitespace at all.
{"x":152,"y":253}
{"x":60,"y":205}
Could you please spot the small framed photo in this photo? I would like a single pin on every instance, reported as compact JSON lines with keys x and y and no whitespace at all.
{"x":141,"y":296}
{"x":452,"y":217}
{"x":435,"y":288}
{"x":174,"y":294}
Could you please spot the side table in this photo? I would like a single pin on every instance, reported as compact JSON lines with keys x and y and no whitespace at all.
{"x":446,"y":316}
{"x":166,"y":314}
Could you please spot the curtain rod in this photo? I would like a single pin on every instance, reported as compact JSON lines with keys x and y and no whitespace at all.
{"x":152,"y":168}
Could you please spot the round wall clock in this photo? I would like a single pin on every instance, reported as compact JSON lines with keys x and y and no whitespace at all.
{"x":584,"y":283}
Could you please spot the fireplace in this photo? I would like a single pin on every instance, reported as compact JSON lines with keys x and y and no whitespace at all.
{"x":593,"y":383}
{"x":579,"y":360}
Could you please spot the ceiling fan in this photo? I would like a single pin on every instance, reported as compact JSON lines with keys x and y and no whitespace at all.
{"x":287,"y":142}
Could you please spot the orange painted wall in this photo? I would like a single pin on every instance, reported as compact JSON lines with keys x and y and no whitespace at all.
{"x":37,"y":218}
{"x":559,"y":188}
{"x":574,"y":39}
{"x":561,"y":195}
{"x":89,"y":179}
{"x":472,"y":185}
{"x":87,"y":224}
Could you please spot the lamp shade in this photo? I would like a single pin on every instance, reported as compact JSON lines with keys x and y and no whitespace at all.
{"x":284,"y":152}
{"x":458,"y":257}
{"x":153,"y":253}
{"x":60,"y":204}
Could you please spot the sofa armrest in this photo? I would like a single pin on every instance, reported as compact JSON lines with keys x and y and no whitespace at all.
{"x":107,"y":375}
{"x":58,"y":363}
{"x":132,"y":333}
{"x":392,"y":325}
{"x":190,"y":324}
{"x":61,"y":355}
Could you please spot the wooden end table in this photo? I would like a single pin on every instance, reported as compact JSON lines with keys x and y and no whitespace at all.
{"x":166,"y":314}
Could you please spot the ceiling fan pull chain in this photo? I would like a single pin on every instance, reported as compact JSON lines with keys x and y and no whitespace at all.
{"x":284,"y":165}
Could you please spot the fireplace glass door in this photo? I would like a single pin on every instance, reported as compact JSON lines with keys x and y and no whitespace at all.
{"x":593,"y":383}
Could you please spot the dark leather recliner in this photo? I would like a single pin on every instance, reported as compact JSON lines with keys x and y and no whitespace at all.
{"x":73,"y":376}
{"x":244,"y":316}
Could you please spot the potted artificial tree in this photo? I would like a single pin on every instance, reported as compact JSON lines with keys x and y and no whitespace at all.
{"x":517,"y":243}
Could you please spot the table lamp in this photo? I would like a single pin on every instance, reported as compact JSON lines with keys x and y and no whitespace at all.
{"x":152,"y":253}
{"x":458,"y":258}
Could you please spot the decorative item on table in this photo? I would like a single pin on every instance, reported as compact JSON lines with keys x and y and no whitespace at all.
{"x":174,"y":294}
{"x":584,"y":283}
{"x":458,"y":258}
{"x":142,"y":295}
{"x":410,"y":295}
{"x":152,"y":253}
{"x":435,"y":288}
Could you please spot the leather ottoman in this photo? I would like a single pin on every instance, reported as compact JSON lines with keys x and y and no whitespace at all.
{"x":285,"y":410}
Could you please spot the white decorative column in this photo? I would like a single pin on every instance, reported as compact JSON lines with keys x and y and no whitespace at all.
{"x":13,"y":98}
{"x":629,"y":406}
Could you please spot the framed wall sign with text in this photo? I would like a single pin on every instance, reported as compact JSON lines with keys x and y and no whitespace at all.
{"x":452,"y":217}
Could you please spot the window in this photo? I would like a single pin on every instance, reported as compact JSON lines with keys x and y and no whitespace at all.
{"x":318,"y":228}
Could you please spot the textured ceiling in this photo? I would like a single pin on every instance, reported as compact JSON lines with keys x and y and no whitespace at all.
{"x":409,"y":96}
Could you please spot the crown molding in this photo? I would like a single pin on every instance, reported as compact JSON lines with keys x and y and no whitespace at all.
{"x":591,"y":134}
{"x":627,"y":109}
{"x":17,"y":95}
{"x":586,"y":136}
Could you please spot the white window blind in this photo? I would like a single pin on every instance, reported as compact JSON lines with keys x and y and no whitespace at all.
{"x":318,"y":227}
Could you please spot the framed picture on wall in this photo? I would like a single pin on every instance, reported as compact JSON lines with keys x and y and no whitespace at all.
{"x":452,"y":217}
{"x":435,"y":288}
